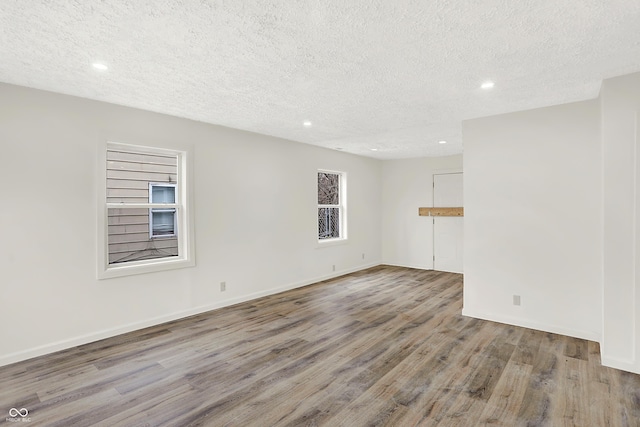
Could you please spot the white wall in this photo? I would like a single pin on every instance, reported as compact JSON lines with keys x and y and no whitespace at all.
{"x":533,"y":219}
{"x":620,"y":103}
{"x":407,"y":239}
{"x":255,"y":221}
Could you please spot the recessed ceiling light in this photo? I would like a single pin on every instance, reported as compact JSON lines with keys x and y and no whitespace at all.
{"x":100,"y":66}
{"x":442,"y":142}
{"x":306,"y":123}
{"x":373,"y":149}
{"x":487,"y":85}
{"x":339,"y":148}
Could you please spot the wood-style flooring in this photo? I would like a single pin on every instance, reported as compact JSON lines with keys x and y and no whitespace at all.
{"x":384,"y":346}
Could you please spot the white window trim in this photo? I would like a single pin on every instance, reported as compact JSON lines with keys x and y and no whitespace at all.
{"x":163,"y":207}
{"x":342,"y":205}
{"x":184,"y":215}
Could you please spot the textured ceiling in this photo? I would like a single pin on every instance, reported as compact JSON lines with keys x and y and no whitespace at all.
{"x":396,"y":75}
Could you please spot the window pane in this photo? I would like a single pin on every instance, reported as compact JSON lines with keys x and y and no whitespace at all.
{"x":328,"y":188}
{"x":128,"y":236}
{"x":163,"y":221}
{"x":328,"y":223}
{"x":162,"y":194}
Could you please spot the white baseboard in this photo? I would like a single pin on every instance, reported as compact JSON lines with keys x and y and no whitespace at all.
{"x":107,"y":333}
{"x":623,"y":365}
{"x":417,"y":267}
{"x":514,"y":321}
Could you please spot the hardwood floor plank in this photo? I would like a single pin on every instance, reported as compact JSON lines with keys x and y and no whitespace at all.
{"x":630,"y":398}
{"x":74,"y":409}
{"x":487,"y":375}
{"x":572,"y":407}
{"x":386,"y":346}
{"x":527,"y":347}
{"x":505,"y":401}
{"x":540,"y":393}
{"x":601,"y":391}
{"x":576,"y":348}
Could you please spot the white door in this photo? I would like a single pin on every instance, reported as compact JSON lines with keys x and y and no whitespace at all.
{"x":447,"y":231}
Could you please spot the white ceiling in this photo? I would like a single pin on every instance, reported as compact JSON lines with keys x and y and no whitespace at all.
{"x":396,"y":75}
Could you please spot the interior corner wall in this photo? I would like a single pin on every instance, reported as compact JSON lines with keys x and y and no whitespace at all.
{"x":620,"y":105}
{"x":255,"y":221}
{"x":407,"y":239}
{"x":532,"y":193}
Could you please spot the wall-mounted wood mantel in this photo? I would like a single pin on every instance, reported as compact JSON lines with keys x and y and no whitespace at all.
{"x":441,"y":211}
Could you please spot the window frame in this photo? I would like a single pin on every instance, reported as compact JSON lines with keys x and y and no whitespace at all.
{"x":342,"y":209}
{"x":184,"y":220}
{"x":162,"y":209}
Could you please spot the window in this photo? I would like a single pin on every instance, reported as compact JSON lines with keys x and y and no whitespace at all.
{"x":162,"y":222}
{"x":331,"y":206}
{"x":144,"y":220}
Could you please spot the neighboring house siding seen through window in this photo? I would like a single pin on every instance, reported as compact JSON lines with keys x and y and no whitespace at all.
{"x":331,"y":206}
{"x":134,"y":178}
{"x":144,"y":210}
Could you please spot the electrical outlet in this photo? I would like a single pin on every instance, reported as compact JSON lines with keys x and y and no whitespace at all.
{"x":223,"y":286}
{"x":516,"y":300}
{"x":334,"y":267}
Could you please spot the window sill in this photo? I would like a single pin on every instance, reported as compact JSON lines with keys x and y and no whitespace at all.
{"x":332,"y":242}
{"x":142,"y":267}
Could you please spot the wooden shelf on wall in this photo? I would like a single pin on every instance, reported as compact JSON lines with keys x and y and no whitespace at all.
{"x":441,"y":211}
